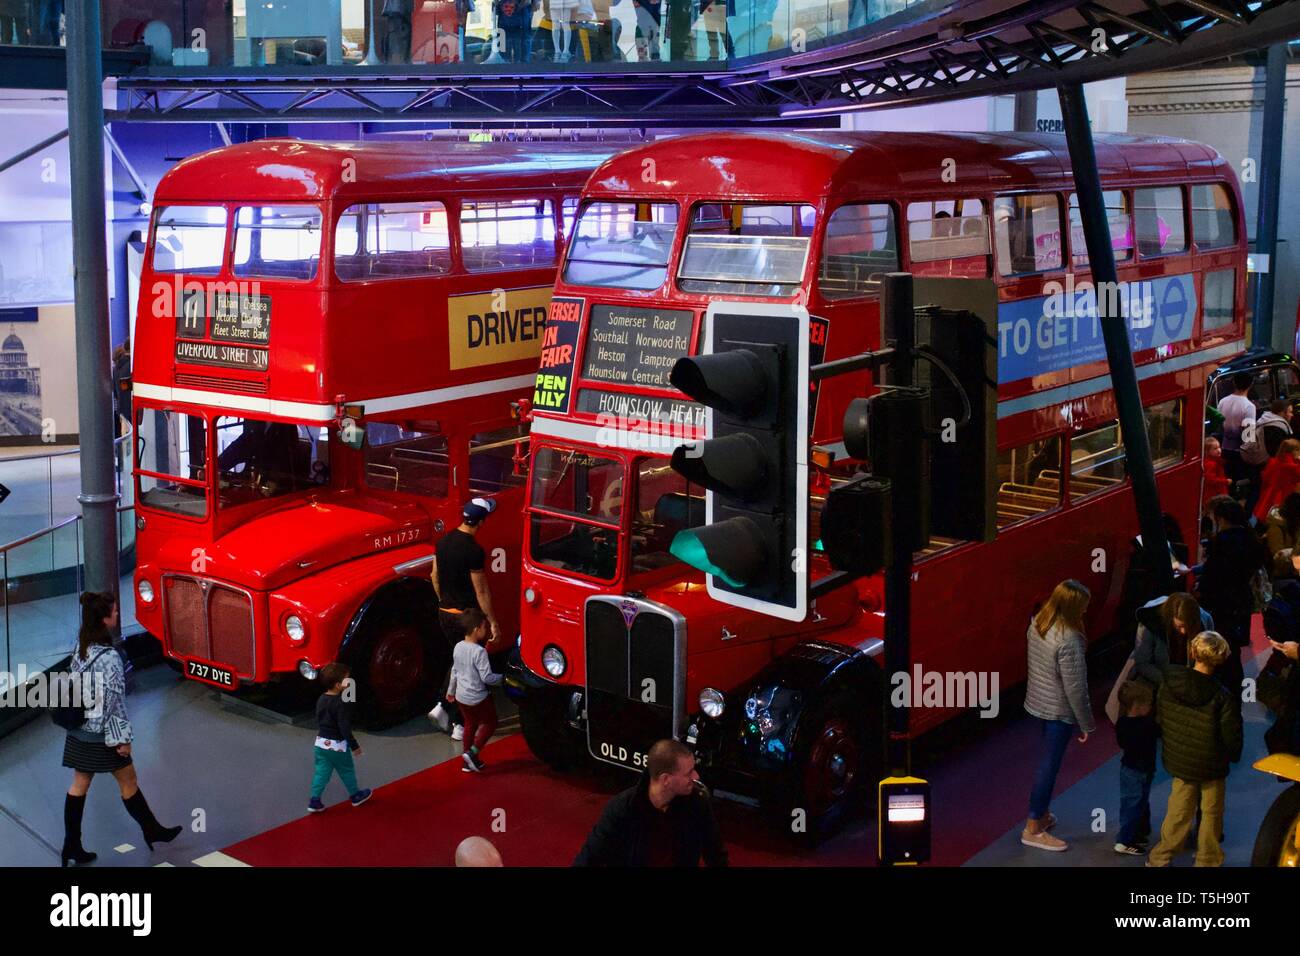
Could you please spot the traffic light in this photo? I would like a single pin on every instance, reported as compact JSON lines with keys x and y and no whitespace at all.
{"x":857,"y":525}
{"x":957,"y":322}
{"x":752,"y":376}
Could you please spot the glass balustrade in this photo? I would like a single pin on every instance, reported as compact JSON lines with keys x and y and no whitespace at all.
{"x":314,"y":35}
{"x":43,"y":563}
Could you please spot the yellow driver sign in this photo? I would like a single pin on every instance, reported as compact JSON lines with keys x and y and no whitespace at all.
{"x":504,"y":325}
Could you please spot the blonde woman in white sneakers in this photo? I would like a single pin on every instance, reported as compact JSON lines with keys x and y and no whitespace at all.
{"x":1057,"y":695}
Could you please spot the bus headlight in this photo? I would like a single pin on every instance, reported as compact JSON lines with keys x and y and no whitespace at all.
{"x":531,"y":596}
{"x":294,"y":627}
{"x":306,"y":670}
{"x":145,"y":590}
{"x":553,"y":660}
{"x":712,"y":702}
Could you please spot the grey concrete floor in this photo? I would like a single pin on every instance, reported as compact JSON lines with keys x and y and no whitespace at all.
{"x":1093,"y":803}
{"x":224,"y":774}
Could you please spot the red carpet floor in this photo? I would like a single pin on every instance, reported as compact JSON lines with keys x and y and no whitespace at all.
{"x":541,"y":817}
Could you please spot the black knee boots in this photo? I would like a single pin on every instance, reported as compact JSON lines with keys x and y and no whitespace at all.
{"x":154,"y":832}
{"x":73,"y":854}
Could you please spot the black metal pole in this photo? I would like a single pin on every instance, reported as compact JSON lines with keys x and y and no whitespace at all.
{"x":897,"y":314}
{"x":1114,"y":328}
{"x":1270,"y":185}
{"x":90,"y":255}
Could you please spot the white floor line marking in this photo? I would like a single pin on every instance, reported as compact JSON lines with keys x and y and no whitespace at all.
{"x":217,"y":858}
{"x":124,"y":848}
{"x":156,"y":865}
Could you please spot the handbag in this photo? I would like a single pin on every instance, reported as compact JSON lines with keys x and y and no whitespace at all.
{"x":68,"y":715}
{"x":1261,"y":590}
{"x":1112,"y":702}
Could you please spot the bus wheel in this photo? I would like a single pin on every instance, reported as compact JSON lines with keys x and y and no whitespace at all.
{"x":548,"y":738}
{"x":1278,"y":841}
{"x":398,"y":667}
{"x":831,"y":765}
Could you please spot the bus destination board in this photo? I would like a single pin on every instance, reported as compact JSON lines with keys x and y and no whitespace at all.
{"x":635,"y":346}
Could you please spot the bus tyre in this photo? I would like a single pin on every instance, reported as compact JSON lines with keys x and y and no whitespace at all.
{"x":550,"y":741}
{"x":831,"y":765}
{"x":398,"y":665}
{"x":1278,"y":840}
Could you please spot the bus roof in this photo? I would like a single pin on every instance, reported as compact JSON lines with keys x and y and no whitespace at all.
{"x":808,"y":165}
{"x":289,"y":170}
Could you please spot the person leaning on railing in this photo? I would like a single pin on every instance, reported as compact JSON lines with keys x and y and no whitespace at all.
{"x":102,"y":744}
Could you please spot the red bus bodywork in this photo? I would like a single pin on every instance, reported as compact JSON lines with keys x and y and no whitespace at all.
{"x":393,"y":336}
{"x":793,"y":727}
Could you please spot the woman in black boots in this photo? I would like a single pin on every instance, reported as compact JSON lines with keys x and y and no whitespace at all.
{"x":103,"y":743}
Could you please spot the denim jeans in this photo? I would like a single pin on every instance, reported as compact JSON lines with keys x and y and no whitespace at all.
{"x":1056,"y":736}
{"x":1134,"y":805}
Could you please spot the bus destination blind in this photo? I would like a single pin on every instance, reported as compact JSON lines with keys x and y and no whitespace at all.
{"x":635,"y":346}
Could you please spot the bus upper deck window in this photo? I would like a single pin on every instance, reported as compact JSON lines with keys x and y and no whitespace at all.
{"x":747,"y":249}
{"x":622,"y":245}
{"x":1027,"y":229}
{"x":1117,"y":218}
{"x":1159,"y":220}
{"x":946,"y":229}
{"x":277,"y":242}
{"x":392,"y":240}
{"x":1213,"y":226}
{"x":190,"y":239}
{"x":861,"y":246}
{"x":507,"y":234}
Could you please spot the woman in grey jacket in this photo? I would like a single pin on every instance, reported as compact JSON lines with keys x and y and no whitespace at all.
{"x":1057,"y":695}
{"x":102,"y":744}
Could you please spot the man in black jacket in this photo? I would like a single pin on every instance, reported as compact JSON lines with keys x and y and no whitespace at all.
{"x":1223,"y":583}
{"x":665,"y":820}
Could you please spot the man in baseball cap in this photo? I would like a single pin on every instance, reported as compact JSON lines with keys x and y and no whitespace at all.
{"x":461,"y":585}
{"x":476,"y":509}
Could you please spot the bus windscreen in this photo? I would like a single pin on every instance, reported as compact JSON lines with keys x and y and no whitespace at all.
{"x":622,"y":245}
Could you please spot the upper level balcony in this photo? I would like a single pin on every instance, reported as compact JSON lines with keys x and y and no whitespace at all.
{"x":312,"y":37}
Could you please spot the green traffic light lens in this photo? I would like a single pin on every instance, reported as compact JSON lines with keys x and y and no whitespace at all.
{"x":688,"y":549}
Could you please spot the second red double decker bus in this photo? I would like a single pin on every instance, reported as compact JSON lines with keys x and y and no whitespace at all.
{"x":330,"y":340}
{"x":785,"y":713}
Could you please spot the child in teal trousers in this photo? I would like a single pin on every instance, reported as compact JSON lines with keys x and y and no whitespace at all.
{"x":335,"y":744}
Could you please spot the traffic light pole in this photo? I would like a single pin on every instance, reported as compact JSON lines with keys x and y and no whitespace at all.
{"x":1114,"y":328}
{"x":899,"y":318}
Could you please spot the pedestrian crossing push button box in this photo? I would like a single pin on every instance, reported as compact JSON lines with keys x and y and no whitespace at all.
{"x":903,"y":811}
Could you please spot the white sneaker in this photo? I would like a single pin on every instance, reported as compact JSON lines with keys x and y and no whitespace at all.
{"x":440,"y":717}
{"x":458,"y":732}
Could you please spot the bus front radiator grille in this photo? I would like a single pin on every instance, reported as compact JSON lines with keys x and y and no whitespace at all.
{"x":210,"y":622}
{"x":635,"y":655}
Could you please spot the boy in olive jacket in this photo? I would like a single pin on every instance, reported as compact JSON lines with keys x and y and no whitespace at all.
{"x":1201,"y":729}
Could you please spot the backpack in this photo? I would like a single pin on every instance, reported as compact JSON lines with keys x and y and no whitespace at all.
{"x":70,"y":716}
{"x":1253,"y":452}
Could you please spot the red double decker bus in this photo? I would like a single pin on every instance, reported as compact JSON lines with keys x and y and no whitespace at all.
{"x":786,"y":712}
{"x":330,"y":339}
